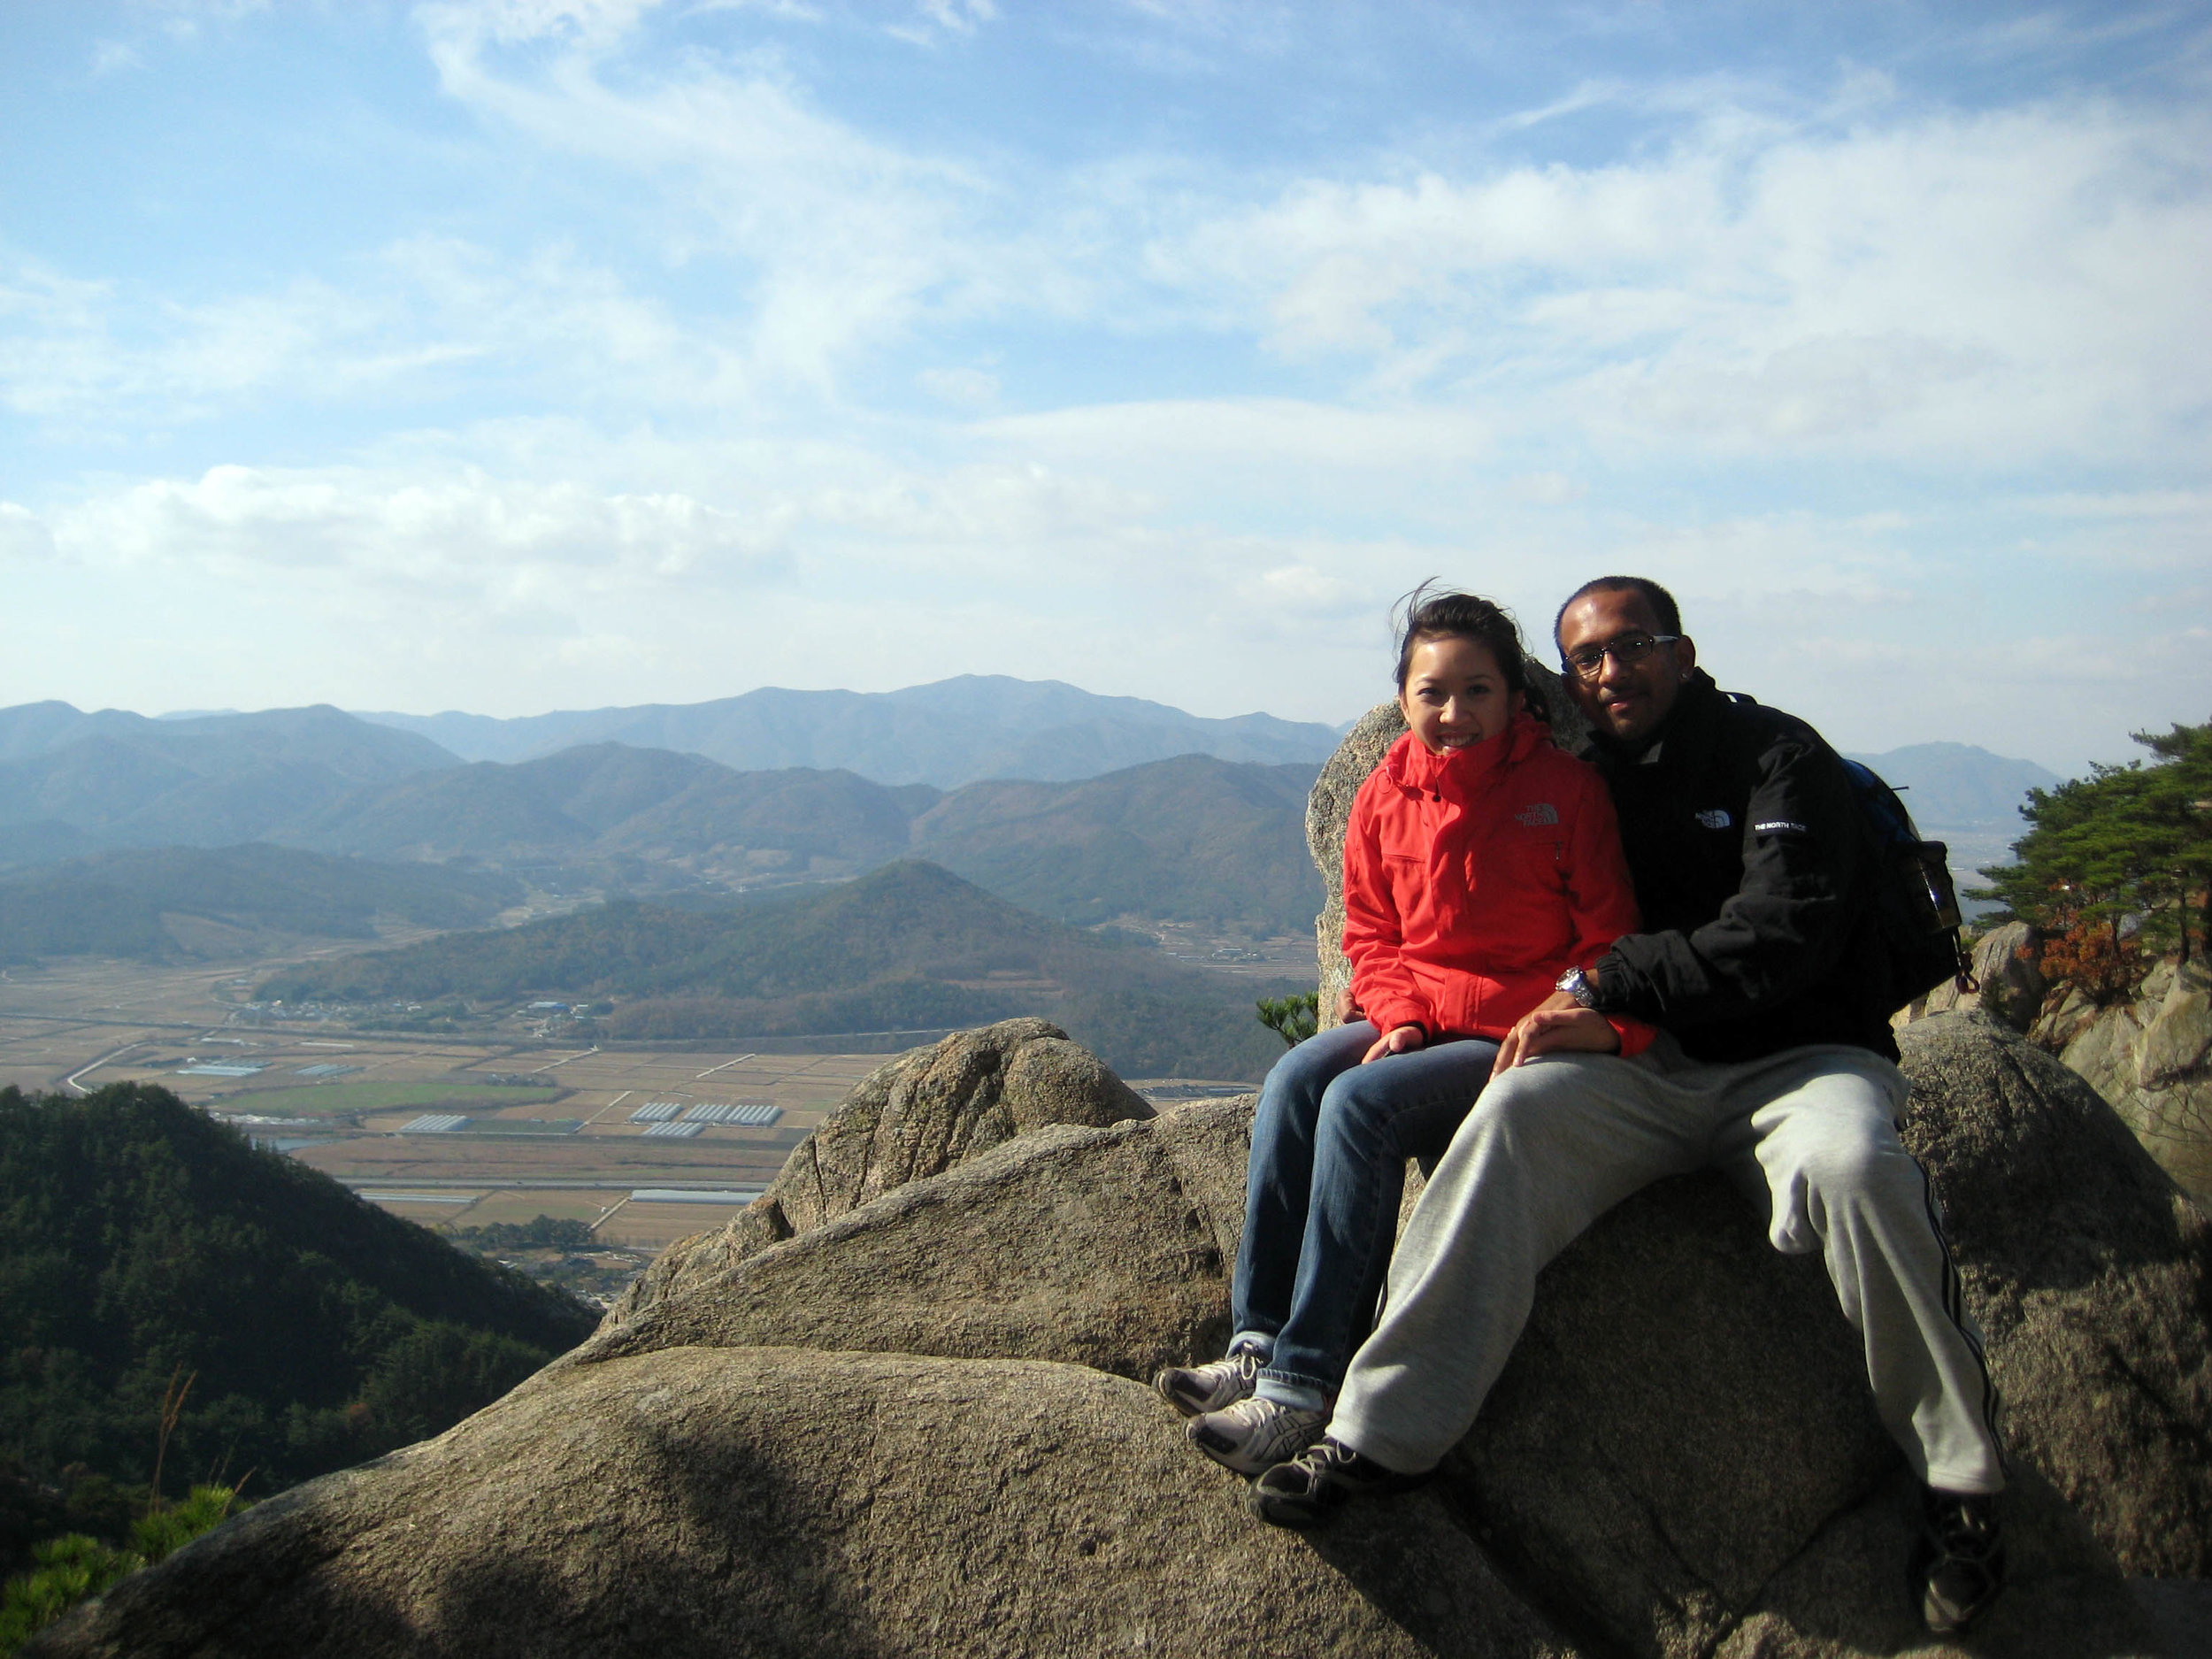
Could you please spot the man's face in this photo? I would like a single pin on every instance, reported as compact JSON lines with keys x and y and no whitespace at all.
{"x":1625,"y":701}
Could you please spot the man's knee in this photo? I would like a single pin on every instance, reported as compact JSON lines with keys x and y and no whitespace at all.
{"x":1859,"y":1161}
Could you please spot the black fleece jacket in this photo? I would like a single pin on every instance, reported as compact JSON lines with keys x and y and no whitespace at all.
{"x":1753,"y":868}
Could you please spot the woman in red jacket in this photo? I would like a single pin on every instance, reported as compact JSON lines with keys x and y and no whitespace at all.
{"x":1480,"y":863}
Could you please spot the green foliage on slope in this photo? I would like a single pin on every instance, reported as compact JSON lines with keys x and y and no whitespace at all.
{"x":2133,"y":841}
{"x":74,"y":1567}
{"x":140,"y":1241}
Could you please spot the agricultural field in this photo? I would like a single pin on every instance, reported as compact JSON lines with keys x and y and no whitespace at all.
{"x":642,"y":1144}
{"x":529,"y":1129}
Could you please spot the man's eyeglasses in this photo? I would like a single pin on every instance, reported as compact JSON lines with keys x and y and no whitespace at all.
{"x":1629,"y":649}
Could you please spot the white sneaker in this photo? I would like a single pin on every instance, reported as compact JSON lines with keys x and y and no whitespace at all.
{"x":1193,"y":1389}
{"x":1254,"y":1435}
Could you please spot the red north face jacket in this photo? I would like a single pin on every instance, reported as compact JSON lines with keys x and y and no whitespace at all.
{"x":1473,"y":879}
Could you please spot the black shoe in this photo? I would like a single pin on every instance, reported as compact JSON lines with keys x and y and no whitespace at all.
{"x":1960,"y":1565}
{"x":1306,"y":1488}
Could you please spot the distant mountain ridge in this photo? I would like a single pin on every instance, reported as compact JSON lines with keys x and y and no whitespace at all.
{"x":1957,"y":785}
{"x":947,"y":733}
{"x":71,"y":781}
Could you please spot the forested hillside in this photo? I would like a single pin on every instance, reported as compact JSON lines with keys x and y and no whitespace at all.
{"x":907,"y":946}
{"x":142,"y":1244}
{"x":127,"y":904}
{"x":1192,"y":839}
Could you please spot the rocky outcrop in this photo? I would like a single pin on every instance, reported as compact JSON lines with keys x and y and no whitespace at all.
{"x":1093,"y":1247}
{"x":1329,"y":809}
{"x":2092,"y":1276}
{"x":1679,"y":1461}
{"x":784,"y":1501}
{"x":2151,"y":1058}
{"x":917,"y":1115}
{"x":2007,"y":971}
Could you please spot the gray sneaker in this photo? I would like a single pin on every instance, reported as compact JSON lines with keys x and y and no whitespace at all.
{"x":1255,"y":1434}
{"x":1196,"y":1389}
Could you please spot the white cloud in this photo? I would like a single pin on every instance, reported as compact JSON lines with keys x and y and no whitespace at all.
{"x":467,"y":537}
{"x":23,"y":534}
{"x":1993,"y":287}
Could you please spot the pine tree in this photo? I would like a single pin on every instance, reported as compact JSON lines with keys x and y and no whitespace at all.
{"x":2117,"y":862}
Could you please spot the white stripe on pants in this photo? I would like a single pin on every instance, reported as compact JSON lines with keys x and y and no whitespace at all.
{"x":1553,"y":1145}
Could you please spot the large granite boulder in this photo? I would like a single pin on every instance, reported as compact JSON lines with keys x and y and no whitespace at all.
{"x":2008,"y":975}
{"x":2092,"y":1275}
{"x":2150,"y":1058}
{"x":1679,"y":1461}
{"x":915,"y":1116}
{"x":700,"y":1504}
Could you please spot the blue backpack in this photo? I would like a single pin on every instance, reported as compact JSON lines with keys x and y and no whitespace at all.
{"x":1915,"y":900}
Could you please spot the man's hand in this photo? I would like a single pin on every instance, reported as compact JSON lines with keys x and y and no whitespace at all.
{"x":1346,"y":1010}
{"x":1557,"y":1024}
{"x":1397,"y":1039}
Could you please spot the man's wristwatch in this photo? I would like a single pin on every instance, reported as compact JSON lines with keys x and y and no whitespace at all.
{"x":1578,"y":984}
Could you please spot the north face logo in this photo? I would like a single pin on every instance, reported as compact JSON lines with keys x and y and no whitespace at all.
{"x":1537,"y":815}
{"x":1715,"y":818}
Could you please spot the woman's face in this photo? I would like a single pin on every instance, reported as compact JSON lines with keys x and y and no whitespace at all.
{"x":1455,"y":693}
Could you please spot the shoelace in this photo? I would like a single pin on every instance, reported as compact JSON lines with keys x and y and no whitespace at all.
{"x":1325,"y":1456}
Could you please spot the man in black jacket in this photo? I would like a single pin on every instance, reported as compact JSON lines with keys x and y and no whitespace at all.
{"x":1760,"y":963}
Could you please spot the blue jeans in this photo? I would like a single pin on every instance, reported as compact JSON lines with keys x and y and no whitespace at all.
{"x":1330,"y":1142}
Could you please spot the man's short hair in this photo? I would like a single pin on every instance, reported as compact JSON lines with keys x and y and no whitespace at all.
{"x":1659,"y":599}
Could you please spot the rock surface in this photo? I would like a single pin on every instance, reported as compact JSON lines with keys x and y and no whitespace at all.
{"x":1679,"y":1461}
{"x":2151,"y":1059}
{"x":917,"y":1115}
{"x":2091,"y":1277}
{"x":779,"y":1502}
{"x":2008,"y":968}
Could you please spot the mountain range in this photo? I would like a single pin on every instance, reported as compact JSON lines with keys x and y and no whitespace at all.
{"x":1955,"y":785}
{"x":1194,"y":837}
{"x":71,"y":782}
{"x":948,"y":733}
{"x":908,"y":945}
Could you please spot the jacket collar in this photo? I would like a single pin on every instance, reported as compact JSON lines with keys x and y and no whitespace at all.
{"x":1683,"y":734}
{"x":1460,"y":773}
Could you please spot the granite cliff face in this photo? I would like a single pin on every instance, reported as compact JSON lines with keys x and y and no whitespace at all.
{"x":2148,"y":1056}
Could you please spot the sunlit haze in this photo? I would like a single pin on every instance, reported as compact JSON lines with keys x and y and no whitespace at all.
{"x":516,"y":355}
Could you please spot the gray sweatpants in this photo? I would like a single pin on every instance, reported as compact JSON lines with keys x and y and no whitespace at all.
{"x":1553,"y":1145}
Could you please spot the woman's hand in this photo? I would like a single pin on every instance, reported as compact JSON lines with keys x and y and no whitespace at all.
{"x":1556,"y":1025}
{"x":1397,"y":1039}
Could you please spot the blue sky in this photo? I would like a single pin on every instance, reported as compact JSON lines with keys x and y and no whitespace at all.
{"x":509,"y":355}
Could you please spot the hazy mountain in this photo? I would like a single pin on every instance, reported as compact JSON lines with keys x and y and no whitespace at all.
{"x":947,"y":733}
{"x":1189,"y":838}
{"x":120,"y":779}
{"x":1955,"y":785}
{"x":907,"y":946}
{"x":138,"y":904}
